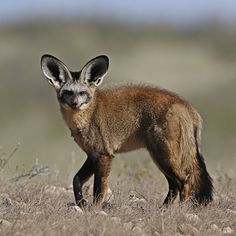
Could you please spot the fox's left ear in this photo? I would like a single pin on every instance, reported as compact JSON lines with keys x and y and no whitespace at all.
{"x":94,"y":71}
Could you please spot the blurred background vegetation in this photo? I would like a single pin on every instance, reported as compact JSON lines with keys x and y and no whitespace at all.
{"x":197,"y":61}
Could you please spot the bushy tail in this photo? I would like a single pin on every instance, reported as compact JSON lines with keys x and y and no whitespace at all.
{"x":202,"y":185}
{"x":203,"y":189}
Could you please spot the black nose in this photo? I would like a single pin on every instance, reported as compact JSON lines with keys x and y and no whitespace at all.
{"x":74,"y":104}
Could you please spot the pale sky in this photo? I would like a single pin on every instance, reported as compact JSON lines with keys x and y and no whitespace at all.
{"x":178,"y":12}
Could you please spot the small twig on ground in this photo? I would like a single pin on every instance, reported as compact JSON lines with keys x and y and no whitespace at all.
{"x":34,"y":171}
{"x":4,"y":161}
{"x":140,"y":195}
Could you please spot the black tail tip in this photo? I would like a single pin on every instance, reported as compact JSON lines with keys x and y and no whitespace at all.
{"x":204,"y":195}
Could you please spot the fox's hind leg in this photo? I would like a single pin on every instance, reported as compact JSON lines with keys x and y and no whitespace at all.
{"x":173,"y":191}
{"x":184,"y":192}
{"x":85,"y":172}
{"x":183,"y":188}
{"x":166,"y":156}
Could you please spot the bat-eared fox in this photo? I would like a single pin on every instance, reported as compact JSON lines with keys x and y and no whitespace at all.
{"x":104,"y":122}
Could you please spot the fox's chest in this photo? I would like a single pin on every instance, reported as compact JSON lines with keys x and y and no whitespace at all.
{"x":78,"y":138}
{"x":90,"y":141}
{"x":78,"y":124}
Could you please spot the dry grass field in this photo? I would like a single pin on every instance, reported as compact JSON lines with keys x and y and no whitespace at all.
{"x":41,"y":202}
{"x":44,"y":206}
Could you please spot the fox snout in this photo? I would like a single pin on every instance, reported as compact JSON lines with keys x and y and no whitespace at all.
{"x":74,"y":99}
{"x":74,"y":102}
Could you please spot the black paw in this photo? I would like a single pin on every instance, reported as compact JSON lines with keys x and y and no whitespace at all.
{"x":82,"y":203}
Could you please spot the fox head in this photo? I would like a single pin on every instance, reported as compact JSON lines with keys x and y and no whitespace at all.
{"x":75,"y":89}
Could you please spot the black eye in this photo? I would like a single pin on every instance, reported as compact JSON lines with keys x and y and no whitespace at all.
{"x":81,"y":93}
{"x":67,"y":93}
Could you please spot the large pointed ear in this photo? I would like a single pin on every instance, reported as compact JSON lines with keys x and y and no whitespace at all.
{"x":95,"y":70}
{"x":55,"y":71}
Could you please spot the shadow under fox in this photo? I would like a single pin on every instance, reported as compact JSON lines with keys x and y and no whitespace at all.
{"x":104,"y":122}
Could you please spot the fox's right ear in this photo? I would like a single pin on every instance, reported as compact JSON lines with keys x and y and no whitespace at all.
{"x":55,"y":71}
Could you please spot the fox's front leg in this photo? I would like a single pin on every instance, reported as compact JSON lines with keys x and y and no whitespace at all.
{"x":85,"y":172}
{"x":102,"y":167}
